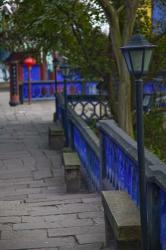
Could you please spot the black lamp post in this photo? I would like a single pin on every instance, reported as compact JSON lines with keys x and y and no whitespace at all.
{"x":65,"y":69}
{"x":56,"y":63}
{"x":137,"y":54}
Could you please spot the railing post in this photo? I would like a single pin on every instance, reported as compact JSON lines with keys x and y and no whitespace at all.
{"x":153,"y":211}
{"x":102,"y":160}
{"x":56,"y":115}
{"x":70,"y":133}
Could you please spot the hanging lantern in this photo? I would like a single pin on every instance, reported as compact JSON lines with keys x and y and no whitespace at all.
{"x":29,"y":62}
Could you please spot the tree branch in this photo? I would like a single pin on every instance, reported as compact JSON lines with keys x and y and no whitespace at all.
{"x":129,"y":19}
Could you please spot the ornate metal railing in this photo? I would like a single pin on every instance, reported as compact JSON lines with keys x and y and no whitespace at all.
{"x":90,"y":107}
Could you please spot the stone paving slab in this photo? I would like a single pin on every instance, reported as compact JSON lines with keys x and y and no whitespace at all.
{"x":36,"y":213}
{"x":81,"y":230}
{"x":29,"y":243}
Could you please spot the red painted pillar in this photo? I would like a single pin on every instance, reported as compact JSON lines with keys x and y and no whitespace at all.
{"x":29,"y":86}
{"x":14,"y":88}
{"x":20,"y":73}
{"x":52,"y":75}
{"x":42,"y":71}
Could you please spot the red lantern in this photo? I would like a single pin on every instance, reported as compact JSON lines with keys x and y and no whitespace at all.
{"x":29,"y":62}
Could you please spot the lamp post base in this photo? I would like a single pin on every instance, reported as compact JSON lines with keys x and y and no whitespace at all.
{"x":14,"y":101}
{"x":55,"y":117}
{"x":13,"y":104}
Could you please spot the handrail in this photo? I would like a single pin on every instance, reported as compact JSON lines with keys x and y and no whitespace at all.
{"x":156,"y":169}
{"x":89,"y":135}
{"x":115,"y":139}
{"x":113,"y":160}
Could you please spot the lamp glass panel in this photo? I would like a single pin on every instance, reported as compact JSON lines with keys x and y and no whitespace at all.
{"x":127,"y":59}
{"x":137,"y":60}
{"x":147,"y":59}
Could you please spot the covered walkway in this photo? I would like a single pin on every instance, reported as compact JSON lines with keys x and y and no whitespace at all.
{"x":35,"y":211}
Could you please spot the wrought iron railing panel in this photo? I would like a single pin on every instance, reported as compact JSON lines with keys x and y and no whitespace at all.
{"x":120,"y":169}
{"x":90,"y":161}
{"x":90,"y":107}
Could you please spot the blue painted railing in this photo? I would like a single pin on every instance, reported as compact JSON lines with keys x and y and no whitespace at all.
{"x":111,"y":163}
{"x":40,"y":91}
{"x":86,"y":143}
{"x":163,"y":219}
{"x":90,"y":160}
{"x":45,"y":90}
{"x":120,"y":169}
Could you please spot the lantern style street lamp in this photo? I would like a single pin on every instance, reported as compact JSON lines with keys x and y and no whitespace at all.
{"x":56,"y":63}
{"x":137,"y":54}
{"x":65,"y":69}
{"x":29,"y":62}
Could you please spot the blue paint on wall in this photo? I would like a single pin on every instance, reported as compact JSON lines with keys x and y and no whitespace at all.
{"x":35,"y":73}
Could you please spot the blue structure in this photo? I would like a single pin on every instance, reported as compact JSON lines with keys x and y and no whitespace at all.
{"x":154,"y":95}
{"x":111,"y":163}
{"x":45,"y":90}
{"x":159,"y":16}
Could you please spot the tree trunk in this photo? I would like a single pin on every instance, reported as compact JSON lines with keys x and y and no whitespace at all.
{"x":124,"y":114}
{"x":124,"y":100}
{"x":119,"y":36}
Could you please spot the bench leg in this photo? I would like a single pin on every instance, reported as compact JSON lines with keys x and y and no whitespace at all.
{"x":72,"y":179}
{"x":127,"y":245}
{"x":109,"y":235}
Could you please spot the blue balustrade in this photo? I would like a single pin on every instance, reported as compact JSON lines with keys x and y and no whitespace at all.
{"x":91,"y":88}
{"x":163,"y":219}
{"x":113,"y":161}
{"x":89,"y":159}
{"x":45,"y":90}
{"x":39,"y":91}
{"x":74,"y":88}
{"x":120,"y":170}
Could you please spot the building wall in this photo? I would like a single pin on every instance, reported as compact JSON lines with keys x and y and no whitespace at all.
{"x":159,"y":16}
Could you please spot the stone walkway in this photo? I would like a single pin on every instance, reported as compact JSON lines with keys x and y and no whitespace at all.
{"x":35,"y":211}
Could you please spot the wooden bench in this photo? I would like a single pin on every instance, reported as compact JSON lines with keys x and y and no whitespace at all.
{"x":56,"y":138}
{"x":72,"y":163}
{"x":122,"y":221}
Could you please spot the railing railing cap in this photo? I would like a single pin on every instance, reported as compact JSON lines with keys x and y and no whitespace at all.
{"x":156,"y":169}
{"x":89,"y":135}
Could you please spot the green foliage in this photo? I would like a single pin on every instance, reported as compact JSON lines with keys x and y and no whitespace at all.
{"x":159,"y":55}
{"x":66,"y":26}
{"x":143,"y":23}
{"x":155,"y":134}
